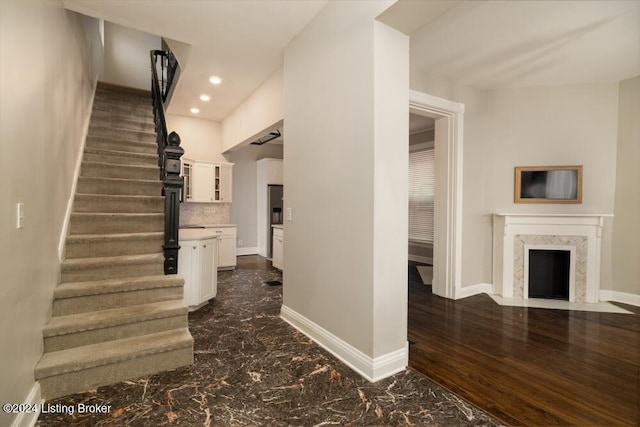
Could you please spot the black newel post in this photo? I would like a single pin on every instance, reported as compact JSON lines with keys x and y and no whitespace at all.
{"x":173,"y":184}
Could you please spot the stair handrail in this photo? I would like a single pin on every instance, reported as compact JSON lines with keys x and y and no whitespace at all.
{"x":169,"y":153}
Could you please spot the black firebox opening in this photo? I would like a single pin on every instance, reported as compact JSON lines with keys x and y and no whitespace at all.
{"x":549,"y":274}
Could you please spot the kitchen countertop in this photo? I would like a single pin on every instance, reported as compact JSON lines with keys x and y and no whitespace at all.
{"x":186,"y":227}
{"x":201,"y":232}
{"x":196,"y":234}
{"x":280,"y":226}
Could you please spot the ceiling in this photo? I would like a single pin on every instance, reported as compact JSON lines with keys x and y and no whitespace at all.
{"x":495,"y":44}
{"x":418,"y":123}
{"x":241,"y":41}
{"x":485,"y":44}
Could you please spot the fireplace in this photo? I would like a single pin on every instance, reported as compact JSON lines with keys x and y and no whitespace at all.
{"x":549,"y":273}
{"x":578,"y":237}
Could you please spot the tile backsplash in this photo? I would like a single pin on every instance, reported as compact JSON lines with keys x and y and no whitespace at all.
{"x":204,"y":213}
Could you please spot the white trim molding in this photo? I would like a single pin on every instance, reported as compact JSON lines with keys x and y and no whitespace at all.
{"x":373,"y":369}
{"x":468,"y":291}
{"x":623,"y":297}
{"x":33,"y":400}
{"x":449,"y":115}
{"x":76,"y":174}
{"x":246,"y":251}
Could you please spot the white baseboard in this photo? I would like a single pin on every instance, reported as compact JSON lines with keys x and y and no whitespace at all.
{"x":623,"y":297}
{"x":76,"y":173}
{"x":372,"y":369}
{"x":422,"y":259}
{"x":467,"y":291}
{"x":28,"y":419}
{"x":246,"y":251}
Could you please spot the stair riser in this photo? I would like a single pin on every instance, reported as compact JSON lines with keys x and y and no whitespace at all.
{"x":75,"y":382}
{"x":95,"y":249}
{"x":78,"y":339}
{"x":111,"y":272}
{"x":118,"y":204}
{"x":131,"y":112}
{"x":123,"y":134}
{"x":87,"y":303}
{"x":130,"y":188}
{"x":90,"y":224}
{"x":99,"y":170}
{"x":121,"y":159}
{"x":122,"y":121}
{"x":123,"y":106}
{"x":124,"y":96}
{"x":121,"y":145}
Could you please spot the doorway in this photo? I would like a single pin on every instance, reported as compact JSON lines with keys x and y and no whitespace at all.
{"x":447,"y":239}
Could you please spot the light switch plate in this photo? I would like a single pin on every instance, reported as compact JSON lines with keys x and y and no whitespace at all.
{"x":288,"y":214}
{"x":19,"y":215}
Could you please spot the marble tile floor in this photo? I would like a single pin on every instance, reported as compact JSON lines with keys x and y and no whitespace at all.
{"x":252,"y":368}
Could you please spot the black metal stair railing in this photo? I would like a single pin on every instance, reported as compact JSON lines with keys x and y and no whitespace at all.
{"x":169,"y":153}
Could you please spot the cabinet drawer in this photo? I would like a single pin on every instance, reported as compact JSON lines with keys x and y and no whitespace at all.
{"x":225,"y":231}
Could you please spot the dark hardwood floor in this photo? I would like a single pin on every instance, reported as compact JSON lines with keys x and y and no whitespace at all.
{"x":528,"y":366}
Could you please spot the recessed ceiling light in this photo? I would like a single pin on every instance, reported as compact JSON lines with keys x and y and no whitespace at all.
{"x":215,"y":80}
{"x":205,"y":97}
{"x":195,"y":110}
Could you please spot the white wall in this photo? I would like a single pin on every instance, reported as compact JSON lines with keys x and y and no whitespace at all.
{"x":345,"y":104}
{"x":201,"y":139}
{"x":559,"y":125}
{"x":257,"y":115}
{"x":556,"y":126}
{"x":626,"y":232}
{"x":127,"y":61}
{"x":244,"y":206}
{"x":46,"y":82}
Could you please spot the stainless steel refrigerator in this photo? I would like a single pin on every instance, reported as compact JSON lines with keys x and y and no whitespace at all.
{"x":275,"y":213}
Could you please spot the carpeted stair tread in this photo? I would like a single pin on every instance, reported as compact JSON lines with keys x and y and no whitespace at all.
{"x":111,"y":244}
{"x":134,"y":135}
{"x":114,"y":237}
{"x":145,"y":147}
{"x":111,"y":352}
{"x":114,"y":222}
{"x":126,"y":154}
{"x":110,"y":203}
{"x":122,"y":121}
{"x":107,"y":286}
{"x":118,"y":186}
{"x":73,"y":323}
{"x":114,"y":170}
{"x":115,"y":165}
{"x":122,"y":115}
{"x":116,"y":88}
{"x":106,"y":91}
{"x":114,"y":261}
{"x":118,"y":196}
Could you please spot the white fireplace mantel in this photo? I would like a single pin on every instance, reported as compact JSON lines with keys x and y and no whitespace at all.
{"x":513,"y":233}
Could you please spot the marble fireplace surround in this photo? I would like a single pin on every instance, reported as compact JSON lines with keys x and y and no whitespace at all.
{"x":516,"y":234}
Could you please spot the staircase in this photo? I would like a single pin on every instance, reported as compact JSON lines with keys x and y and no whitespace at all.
{"x":115,"y":314}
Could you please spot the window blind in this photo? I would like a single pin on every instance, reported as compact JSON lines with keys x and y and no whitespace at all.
{"x":421,"y":194}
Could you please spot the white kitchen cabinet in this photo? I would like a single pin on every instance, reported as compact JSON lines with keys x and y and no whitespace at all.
{"x":224,"y":178}
{"x":211,"y":182}
{"x":203,"y":176}
{"x":277,"y":259}
{"x":198,"y":265}
{"x":187,"y":174}
{"x":226,"y":247}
